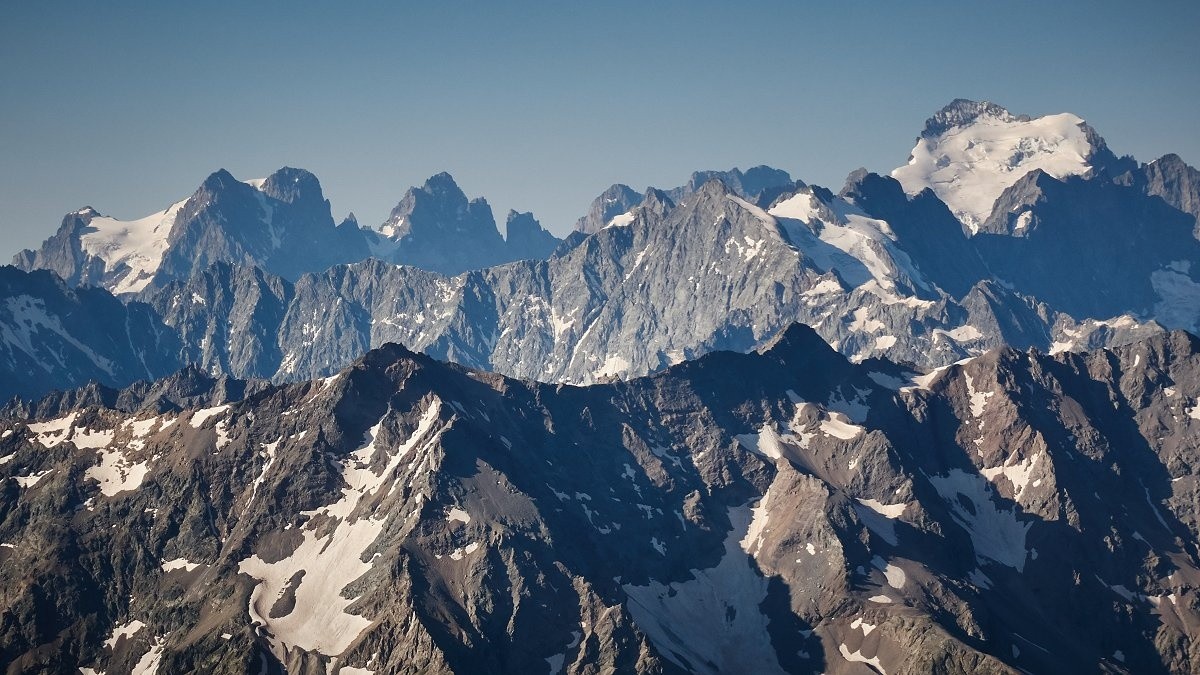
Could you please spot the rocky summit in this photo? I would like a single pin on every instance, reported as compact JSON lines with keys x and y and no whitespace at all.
{"x":282,"y":224}
{"x":780,"y":511}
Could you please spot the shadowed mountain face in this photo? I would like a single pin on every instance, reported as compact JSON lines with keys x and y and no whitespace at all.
{"x":435,"y":227}
{"x":781,"y":511}
{"x":53,"y":336}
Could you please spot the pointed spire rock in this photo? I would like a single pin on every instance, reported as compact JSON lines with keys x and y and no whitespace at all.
{"x":657,"y":202}
{"x":525,"y":237}
{"x":798,"y":344}
{"x":863,"y":186}
{"x":1176,"y":182}
{"x":714,"y":187}
{"x":617,"y":200}
{"x":437,"y":204}
{"x":219,"y":180}
{"x":436,"y":227}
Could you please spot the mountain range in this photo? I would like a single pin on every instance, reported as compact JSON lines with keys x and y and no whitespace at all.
{"x":1001,"y":230}
{"x":944,"y":419}
{"x":283,"y":225}
{"x":780,"y":511}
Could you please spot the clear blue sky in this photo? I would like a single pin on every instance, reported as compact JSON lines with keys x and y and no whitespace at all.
{"x":540,"y":106}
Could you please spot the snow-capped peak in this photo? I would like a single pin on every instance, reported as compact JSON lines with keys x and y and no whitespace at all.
{"x":970,"y":152}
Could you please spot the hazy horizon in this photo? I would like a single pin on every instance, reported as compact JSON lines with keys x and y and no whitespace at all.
{"x":541,"y":107}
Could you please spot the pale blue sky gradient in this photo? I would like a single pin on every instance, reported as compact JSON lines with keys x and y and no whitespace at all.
{"x":540,"y":106}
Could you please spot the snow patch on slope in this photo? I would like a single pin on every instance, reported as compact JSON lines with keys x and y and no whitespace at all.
{"x":138,"y":245}
{"x":179,"y":564}
{"x":23,"y":325}
{"x":116,"y":473}
{"x":614,"y":365}
{"x":878,"y":517}
{"x":856,"y":656}
{"x":123,"y":631}
{"x":979,"y":399}
{"x":52,"y":432}
{"x":803,"y":206}
{"x":201,"y":416}
{"x":32,"y":479}
{"x":148,"y":664}
{"x":329,"y":562}
{"x":840,"y":236}
{"x":995,"y":534}
{"x":621,"y":220}
{"x":712,"y":623}
{"x":1179,"y":295}
{"x":1018,"y":472}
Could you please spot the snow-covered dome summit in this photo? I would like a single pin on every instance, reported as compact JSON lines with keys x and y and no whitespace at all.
{"x":970,"y":152}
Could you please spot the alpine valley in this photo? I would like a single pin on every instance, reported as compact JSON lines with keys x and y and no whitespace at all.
{"x":941,"y":420}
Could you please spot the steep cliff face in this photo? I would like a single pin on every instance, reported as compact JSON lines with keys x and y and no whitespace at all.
{"x":1178,"y":184}
{"x":435,"y":227}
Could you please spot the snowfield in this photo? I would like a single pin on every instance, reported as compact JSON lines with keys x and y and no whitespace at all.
{"x":968,"y":167}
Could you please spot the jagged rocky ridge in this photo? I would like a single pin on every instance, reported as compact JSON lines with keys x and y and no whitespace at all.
{"x":676,"y":281}
{"x":613,"y":206}
{"x":782,"y":511}
{"x":282,"y":224}
{"x":614,"y":305}
{"x":1099,"y":255}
